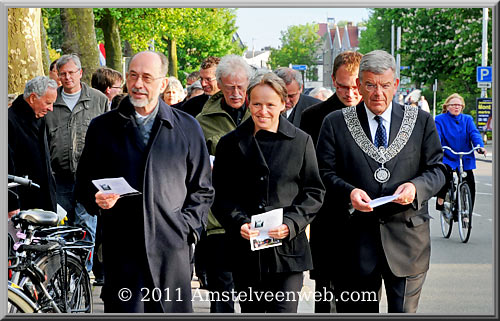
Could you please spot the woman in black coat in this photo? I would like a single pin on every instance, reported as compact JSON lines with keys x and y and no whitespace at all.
{"x":264,"y":164}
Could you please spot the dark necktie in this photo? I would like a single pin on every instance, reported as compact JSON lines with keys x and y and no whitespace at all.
{"x":380,"y":134}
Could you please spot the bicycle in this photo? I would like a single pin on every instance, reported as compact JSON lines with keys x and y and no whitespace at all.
{"x":457,"y":205}
{"x":47,"y":266}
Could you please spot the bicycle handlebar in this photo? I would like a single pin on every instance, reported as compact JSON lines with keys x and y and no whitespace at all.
{"x":22,"y":181}
{"x":462,"y":153}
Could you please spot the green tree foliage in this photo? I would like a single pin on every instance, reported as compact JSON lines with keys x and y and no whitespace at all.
{"x":299,"y":46}
{"x":437,"y":43}
{"x":194,"y":33}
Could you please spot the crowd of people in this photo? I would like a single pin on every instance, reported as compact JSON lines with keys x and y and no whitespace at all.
{"x":237,"y":142}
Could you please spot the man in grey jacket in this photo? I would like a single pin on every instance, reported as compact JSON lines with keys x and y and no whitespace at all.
{"x":76,"y":105}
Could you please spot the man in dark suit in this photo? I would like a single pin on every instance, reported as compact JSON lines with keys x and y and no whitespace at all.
{"x":296,"y":102}
{"x":345,"y":72}
{"x":380,"y":148}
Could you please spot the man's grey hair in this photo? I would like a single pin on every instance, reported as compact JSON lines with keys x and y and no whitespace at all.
{"x":321,"y":93}
{"x":288,"y":75}
{"x":231,"y":65}
{"x":377,"y":62}
{"x":163,"y":58}
{"x":174,"y":83}
{"x":66,"y":58}
{"x":38,"y":86}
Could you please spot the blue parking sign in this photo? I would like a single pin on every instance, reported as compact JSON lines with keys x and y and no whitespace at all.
{"x":484,"y":74}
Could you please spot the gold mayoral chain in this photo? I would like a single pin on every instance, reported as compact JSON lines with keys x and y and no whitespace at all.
{"x":381,"y":155}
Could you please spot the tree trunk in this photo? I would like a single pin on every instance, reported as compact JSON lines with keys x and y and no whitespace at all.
{"x":79,"y":38}
{"x":24,"y":47}
{"x":172,"y":57}
{"x":112,"y":42}
{"x":45,"y":48}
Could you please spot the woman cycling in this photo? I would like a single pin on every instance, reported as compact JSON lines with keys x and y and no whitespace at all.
{"x":458,"y":132}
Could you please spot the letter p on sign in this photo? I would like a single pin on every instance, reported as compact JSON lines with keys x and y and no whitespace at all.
{"x":484,"y":74}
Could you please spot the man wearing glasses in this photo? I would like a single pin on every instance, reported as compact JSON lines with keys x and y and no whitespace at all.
{"x":209,"y":84}
{"x":76,"y":104}
{"x":222,"y":113}
{"x":160,"y":152}
{"x":380,"y":148}
{"x":326,"y":270}
{"x":108,"y":81}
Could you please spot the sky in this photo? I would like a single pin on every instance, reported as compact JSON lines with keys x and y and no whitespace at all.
{"x":262,"y":27}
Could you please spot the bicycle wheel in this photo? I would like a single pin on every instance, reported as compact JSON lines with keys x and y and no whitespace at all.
{"x":18,"y":302}
{"x":72,"y":286}
{"x":446,"y":216}
{"x":464,"y":212}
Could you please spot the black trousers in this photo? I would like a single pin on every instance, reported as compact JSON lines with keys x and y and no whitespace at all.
{"x":219,"y":277}
{"x":362,"y":294}
{"x":255,"y":291}
{"x":324,"y":302}
{"x":469,"y":179}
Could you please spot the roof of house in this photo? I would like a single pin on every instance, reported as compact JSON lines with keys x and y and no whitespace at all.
{"x":352,"y":32}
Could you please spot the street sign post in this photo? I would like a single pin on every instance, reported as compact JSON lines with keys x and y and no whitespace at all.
{"x":484,"y":84}
{"x":299,"y":67}
{"x":483,"y":74}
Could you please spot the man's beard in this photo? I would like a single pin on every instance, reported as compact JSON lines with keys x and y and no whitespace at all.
{"x":139,"y":102}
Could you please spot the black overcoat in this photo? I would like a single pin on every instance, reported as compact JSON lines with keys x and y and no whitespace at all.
{"x":398,"y":232}
{"x":329,"y":225}
{"x":304,"y":102}
{"x":146,"y":238}
{"x":246,"y":185}
{"x":29,"y":155}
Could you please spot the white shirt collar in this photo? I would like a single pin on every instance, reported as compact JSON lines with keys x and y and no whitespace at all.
{"x":386,"y":115}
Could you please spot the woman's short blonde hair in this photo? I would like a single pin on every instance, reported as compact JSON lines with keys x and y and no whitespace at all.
{"x":269,"y":79}
{"x":447,"y":102}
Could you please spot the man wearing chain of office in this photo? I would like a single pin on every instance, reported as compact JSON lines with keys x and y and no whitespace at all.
{"x":380,"y":148}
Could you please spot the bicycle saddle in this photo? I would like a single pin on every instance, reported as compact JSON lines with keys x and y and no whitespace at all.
{"x":36,"y":217}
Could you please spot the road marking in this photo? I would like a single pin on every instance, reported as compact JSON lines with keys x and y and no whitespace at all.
{"x":479,"y":193}
{"x":475,"y":214}
{"x":488,"y":184}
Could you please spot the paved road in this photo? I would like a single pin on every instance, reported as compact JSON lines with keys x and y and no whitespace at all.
{"x":460,"y":279}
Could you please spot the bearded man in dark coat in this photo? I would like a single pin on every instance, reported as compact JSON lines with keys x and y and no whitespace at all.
{"x":161,"y":152}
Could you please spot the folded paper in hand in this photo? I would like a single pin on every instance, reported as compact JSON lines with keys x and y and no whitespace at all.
{"x":382,"y":200}
{"x":115,"y":186}
{"x":264,"y":222}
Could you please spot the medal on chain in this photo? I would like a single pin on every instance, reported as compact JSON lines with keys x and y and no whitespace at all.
{"x":381,"y":155}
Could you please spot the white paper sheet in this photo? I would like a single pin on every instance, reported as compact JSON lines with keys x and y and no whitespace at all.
{"x":382,"y":200}
{"x":115,"y":185}
{"x":264,"y":222}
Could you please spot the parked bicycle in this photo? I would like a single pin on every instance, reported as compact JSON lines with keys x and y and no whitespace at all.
{"x":47,"y":265}
{"x":458,"y":202}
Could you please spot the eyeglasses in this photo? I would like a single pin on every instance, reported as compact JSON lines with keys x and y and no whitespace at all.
{"x":207,"y":79}
{"x":372,"y":87}
{"x":232,"y":89}
{"x":145,"y":78}
{"x":346,"y":88}
{"x":117,"y":87}
{"x":454,"y":105}
{"x":68,"y":74}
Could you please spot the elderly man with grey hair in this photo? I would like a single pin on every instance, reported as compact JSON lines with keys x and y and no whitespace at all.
{"x":222,"y":113}
{"x":296,"y":102}
{"x":76,"y":105}
{"x":380,"y":148}
{"x":28,"y":148}
{"x":321,"y":93}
